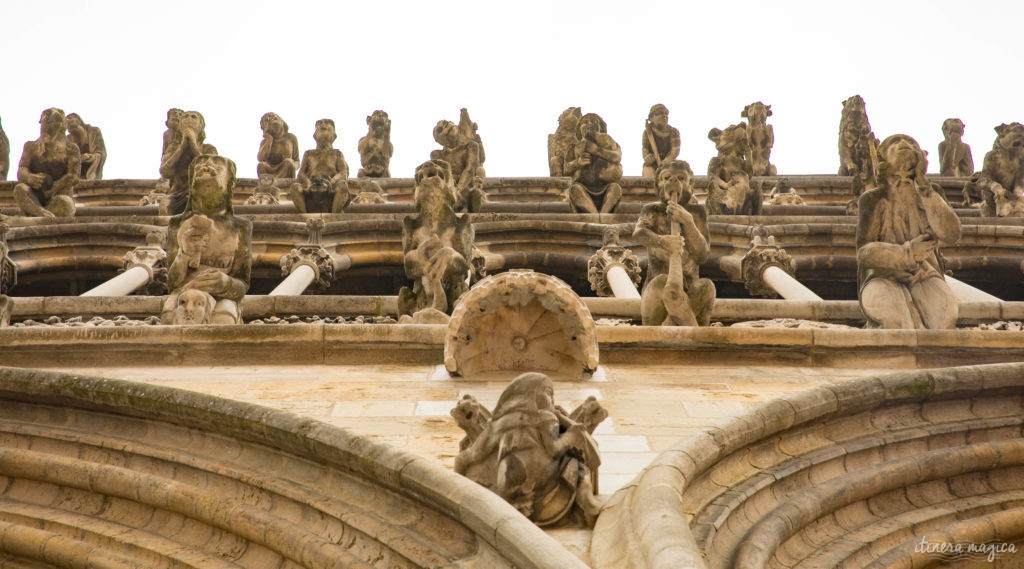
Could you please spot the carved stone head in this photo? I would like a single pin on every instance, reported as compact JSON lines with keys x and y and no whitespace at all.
{"x":591,"y":124}
{"x":434,"y":187}
{"x":901,"y":155}
{"x":273,"y":124}
{"x":53,"y":121}
{"x":173,"y":116}
{"x":658,"y":115}
{"x":854,"y":104}
{"x":211,"y":182}
{"x":731,"y":141}
{"x":1010,"y":138}
{"x":76,"y":124}
{"x":446,"y":133}
{"x":379,"y":123}
{"x":674,"y":182}
{"x":569,"y":119}
{"x":757,"y":113}
{"x":192,"y":122}
{"x":324,"y":133}
{"x":194,"y":307}
{"x":953,"y":128}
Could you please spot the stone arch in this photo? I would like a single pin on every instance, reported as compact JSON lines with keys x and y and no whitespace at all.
{"x":522,"y":321}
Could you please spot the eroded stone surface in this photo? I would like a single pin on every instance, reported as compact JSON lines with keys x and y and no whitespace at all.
{"x":760,"y":138}
{"x":729,"y":188}
{"x":49,"y":169}
{"x":89,"y":140}
{"x":1001,"y":180}
{"x":521,"y":320}
{"x":532,"y":453}
{"x":559,"y":141}
{"x":954,"y":154}
{"x":675,"y":233}
{"x":323,"y":177}
{"x":209,"y":250}
{"x":375,"y":149}
{"x":900,"y":226}
{"x":858,"y":147}
{"x":594,"y":162}
{"x":187,"y":141}
{"x":278,"y":156}
{"x":462,"y":149}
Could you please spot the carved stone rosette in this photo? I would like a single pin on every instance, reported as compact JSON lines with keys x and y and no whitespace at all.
{"x":153,"y":258}
{"x":757,"y":259}
{"x":315,"y":257}
{"x":604,"y":258}
{"x":521,"y":320}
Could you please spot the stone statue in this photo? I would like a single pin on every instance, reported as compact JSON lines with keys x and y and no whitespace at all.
{"x":278,"y":155}
{"x":187,"y":143}
{"x":564,"y":135}
{"x":660,"y":140}
{"x":173,"y":117}
{"x":783,"y":193}
{"x":532,"y":453}
{"x":5,"y":154}
{"x":463,"y":154}
{"x":375,"y":149}
{"x":729,"y":189}
{"x":594,"y":161}
{"x":438,"y":246}
{"x":1001,"y":180}
{"x":209,"y":250}
{"x":370,"y":192}
{"x":49,"y":169}
{"x":265,"y":193}
{"x":954,"y":155}
{"x":90,"y":144}
{"x":760,"y":138}
{"x":467,"y":132}
{"x":676,"y":235}
{"x":858,"y":148}
{"x":323,"y":177}
{"x":900,"y":226}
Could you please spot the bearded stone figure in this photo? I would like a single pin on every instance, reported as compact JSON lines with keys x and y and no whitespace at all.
{"x":375,"y":149}
{"x":90,"y":144}
{"x":438,"y":246}
{"x":209,"y":250}
{"x":278,"y":155}
{"x":50,"y":167}
{"x":594,"y":161}
{"x":900,"y":226}
{"x":188,"y":142}
{"x":532,"y":453}
{"x":676,"y":235}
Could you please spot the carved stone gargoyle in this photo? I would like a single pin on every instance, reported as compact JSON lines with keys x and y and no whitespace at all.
{"x":532,"y":453}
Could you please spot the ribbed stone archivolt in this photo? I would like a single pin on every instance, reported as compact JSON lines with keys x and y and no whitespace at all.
{"x":521,"y":320}
{"x":110,"y":473}
{"x":854,"y":474}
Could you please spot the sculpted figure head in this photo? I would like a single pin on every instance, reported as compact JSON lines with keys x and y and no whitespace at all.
{"x":211,"y":182}
{"x":758,"y":113}
{"x":76,"y":126}
{"x":194,"y":307}
{"x":173,"y":117}
{"x":569,"y":119}
{"x":658,"y":115}
{"x":324,"y":133}
{"x":273,"y":124}
{"x":434,"y":186}
{"x":900,"y":155}
{"x":53,"y":121}
{"x":1010,"y":139}
{"x":380,"y":124}
{"x":446,"y":133}
{"x":953,"y":128}
{"x":192,"y":124}
{"x":674,"y":182}
{"x":590,"y":125}
{"x":854,"y":105}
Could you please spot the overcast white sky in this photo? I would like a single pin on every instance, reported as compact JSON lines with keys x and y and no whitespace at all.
{"x":515,"y":66}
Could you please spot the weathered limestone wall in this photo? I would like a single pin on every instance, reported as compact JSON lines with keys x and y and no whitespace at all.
{"x":112,"y":473}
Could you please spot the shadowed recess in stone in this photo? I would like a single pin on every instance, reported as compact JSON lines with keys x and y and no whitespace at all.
{"x":118,"y":474}
{"x":851,"y":475}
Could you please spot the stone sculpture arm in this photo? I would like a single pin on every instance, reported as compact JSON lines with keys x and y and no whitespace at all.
{"x":25,"y":175}
{"x":65,"y":183}
{"x":649,"y":158}
{"x":266,"y":147}
{"x":294,"y":142}
{"x":694,"y":228}
{"x":340,"y":168}
{"x":607,"y":148}
{"x":179,"y":149}
{"x":303,"y":175}
{"x":942,"y":220}
{"x":676,"y":144}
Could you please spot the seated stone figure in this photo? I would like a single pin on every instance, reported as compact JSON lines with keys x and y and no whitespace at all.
{"x":675,"y":233}
{"x":954,"y":155}
{"x":729,"y":188}
{"x":209,"y":250}
{"x":594,"y":161}
{"x":264,"y":193}
{"x":900,"y":226}
{"x":532,"y":453}
{"x":1001,"y":180}
{"x":173,"y":117}
{"x":438,"y":246}
{"x":375,"y":149}
{"x":278,"y":155}
{"x":559,"y":141}
{"x":323,"y":177}
{"x":49,"y":169}
{"x":188,"y":143}
{"x":463,"y":155}
{"x":5,"y":154}
{"x":760,"y":138}
{"x":660,"y":141}
{"x":90,"y":143}
{"x":783,"y":193}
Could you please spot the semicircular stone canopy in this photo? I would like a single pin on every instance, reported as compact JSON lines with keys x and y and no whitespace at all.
{"x":903,"y":471}
{"x":112,"y":474}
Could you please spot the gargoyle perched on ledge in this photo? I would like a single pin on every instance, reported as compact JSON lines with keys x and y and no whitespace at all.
{"x":322,"y":185}
{"x":532,"y":453}
{"x":209,"y":250}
